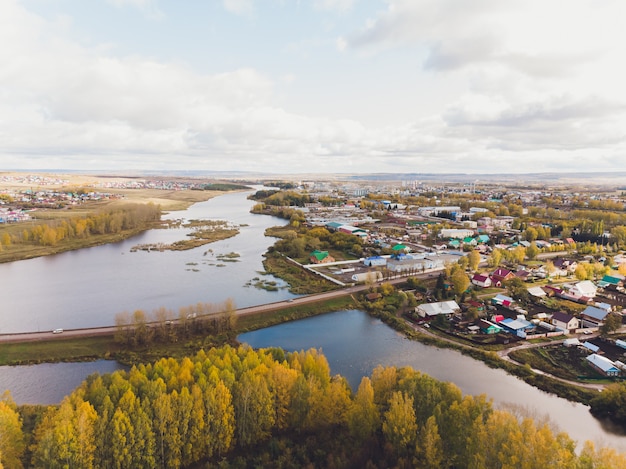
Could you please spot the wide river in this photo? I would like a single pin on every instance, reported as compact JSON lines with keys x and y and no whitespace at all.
{"x":89,"y":287}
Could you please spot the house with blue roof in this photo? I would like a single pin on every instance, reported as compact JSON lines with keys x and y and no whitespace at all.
{"x":593,"y":317}
{"x":603,"y":365}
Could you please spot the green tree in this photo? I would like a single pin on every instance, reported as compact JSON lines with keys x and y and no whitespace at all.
{"x":612,"y":322}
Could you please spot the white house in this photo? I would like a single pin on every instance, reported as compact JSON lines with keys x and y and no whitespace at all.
{"x":586,"y":289}
{"x":430,"y":310}
{"x":565,"y":321}
{"x":482,"y":281}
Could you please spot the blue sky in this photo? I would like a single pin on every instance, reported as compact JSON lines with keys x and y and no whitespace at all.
{"x":323,"y":86}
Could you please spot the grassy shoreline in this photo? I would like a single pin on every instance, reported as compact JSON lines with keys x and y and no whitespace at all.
{"x":168,"y":200}
{"x":106,"y":347}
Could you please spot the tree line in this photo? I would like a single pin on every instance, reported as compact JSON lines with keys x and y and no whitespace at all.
{"x":164,"y":326}
{"x":110,"y":221}
{"x":237,"y":407}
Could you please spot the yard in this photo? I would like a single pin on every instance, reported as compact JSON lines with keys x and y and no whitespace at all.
{"x":560,"y":361}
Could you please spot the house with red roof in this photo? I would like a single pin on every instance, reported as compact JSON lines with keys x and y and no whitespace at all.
{"x":501,"y":275}
{"x":482,"y":281}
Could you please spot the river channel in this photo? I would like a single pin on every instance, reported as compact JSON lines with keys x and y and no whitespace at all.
{"x":89,"y":287}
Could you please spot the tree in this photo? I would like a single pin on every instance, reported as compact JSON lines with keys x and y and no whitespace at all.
{"x":532,"y":251}
{"x":460,"y":282}
{"x":66,"y":437}
{"x":253,"y":408}
{"x":463,"y":262}
{"x":495,"y":258}
{"x":517,"y":289}
{"x":612,"y":322}
{"x":430,"y":446}
{"x":11,"y":437}
{"x":474,"y":260}
{"x":363,"y":416}
{"x":399,"y":424}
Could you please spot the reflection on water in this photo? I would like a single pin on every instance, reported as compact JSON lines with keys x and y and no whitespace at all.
{"x":49,"y":383}
{"x":354,"y":344}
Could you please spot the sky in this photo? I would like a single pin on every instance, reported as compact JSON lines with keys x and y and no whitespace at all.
{"x":313,"y":86}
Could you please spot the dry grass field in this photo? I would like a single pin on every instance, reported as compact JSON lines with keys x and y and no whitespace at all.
{"x":168,"y":200}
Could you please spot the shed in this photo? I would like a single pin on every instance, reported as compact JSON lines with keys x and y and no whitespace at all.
{"x":588,"y":345}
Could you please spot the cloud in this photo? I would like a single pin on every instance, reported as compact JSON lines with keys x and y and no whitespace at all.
{"x":239,"y":7}
{"x":338,"y":5}
{"x":502,"y":103}
{"x":147,"y":7}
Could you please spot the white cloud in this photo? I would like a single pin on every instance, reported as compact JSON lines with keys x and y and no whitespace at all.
{"x":521,"y":101}
{"x":147,"y":7}
{"x":339,"y":5}
{"x":239,"y":7}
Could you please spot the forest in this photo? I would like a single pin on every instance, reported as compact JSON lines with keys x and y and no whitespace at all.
{"x":108,"y":221}
{"x":234,"y":407}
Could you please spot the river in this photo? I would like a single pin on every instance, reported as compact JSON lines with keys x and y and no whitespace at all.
{"x":88,"y":287}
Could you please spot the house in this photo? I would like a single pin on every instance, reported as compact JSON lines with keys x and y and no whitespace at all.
{"x":593,"y":317}
{"x":565,"y":321}
{"x":373,"y":296}
{"x":522,"y":274}
{"x":499,"y":276}
{"x":502,"y":300}
{"x":584,"y":289}
{"x":487,"y":327}
{"x":516,"y":326}
{"x":603,"y":365}
{"x":321,"y":257}
{"x":482,"y":281}
{"x":430,"y":310}
{"x":611,"y":282}
{"x":469,"y":241}
{"x":478,"y":305}
{"x":375,"y":261}
{"x":399,"y":249}
{"x":537,"y":292}
{"x":482,"y":239}
{"x":565,"y":265}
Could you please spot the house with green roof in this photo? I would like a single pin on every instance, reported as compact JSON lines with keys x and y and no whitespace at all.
{"x":320,"y":257}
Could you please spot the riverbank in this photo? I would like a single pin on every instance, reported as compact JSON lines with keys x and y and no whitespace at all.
{"x":105,"y":346}
{"x":61,"y":215}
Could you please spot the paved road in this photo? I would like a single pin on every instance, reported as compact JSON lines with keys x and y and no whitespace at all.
{"x":96,"y":331}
